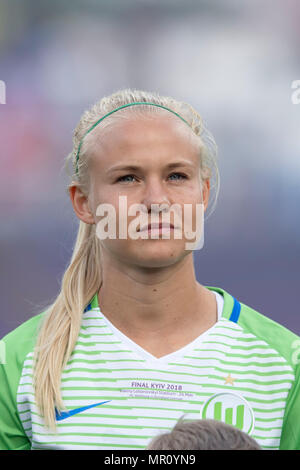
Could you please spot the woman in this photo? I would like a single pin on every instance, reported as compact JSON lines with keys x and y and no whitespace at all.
{"x":133,"y":340}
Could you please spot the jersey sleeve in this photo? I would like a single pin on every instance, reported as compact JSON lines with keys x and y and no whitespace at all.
{"x":12,"y":434}
{"x":290,"y":435}
{"x":14,"y":348}
{"x":287,"y":345}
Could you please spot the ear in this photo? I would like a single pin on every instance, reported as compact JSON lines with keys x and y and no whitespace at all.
{"x":205,"y":192}
{"x":80,"y":204}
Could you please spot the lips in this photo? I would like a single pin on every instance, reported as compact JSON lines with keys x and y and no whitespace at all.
{"x":156,"y":226}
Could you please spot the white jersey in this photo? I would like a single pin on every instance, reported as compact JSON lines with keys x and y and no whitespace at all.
{"x":120,"y":396}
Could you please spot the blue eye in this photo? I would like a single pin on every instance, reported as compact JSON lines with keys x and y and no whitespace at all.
{"x":129,"y":178}
{"x":122,"y":178}
{"x":182,"y":176}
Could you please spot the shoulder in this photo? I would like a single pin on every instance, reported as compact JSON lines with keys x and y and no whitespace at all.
{"x":278,"y":337}
{"x":278,"y":349}
{"x":254,"y":325}
{"x":20,"y":341}
{"x":15,"y":347}
{"x":262,"y":328}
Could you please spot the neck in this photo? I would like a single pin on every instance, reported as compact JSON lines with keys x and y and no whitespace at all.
{"x":154,"y":300}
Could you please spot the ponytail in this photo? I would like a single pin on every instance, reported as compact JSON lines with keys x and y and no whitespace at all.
{"x":59,"y":331}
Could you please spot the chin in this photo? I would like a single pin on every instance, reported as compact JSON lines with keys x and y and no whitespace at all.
{"x":158,"y":255}
{"x":148,"y":253}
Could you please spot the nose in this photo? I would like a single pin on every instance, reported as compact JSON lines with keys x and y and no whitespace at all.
{"x":155,"y":195}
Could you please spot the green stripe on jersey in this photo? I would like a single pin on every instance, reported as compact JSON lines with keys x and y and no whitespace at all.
{"x":242,"y":373}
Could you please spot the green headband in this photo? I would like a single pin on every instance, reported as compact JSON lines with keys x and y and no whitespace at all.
{"x":120,"y":107}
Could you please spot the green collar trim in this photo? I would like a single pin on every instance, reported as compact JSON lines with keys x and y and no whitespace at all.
{"x":228,"y":301}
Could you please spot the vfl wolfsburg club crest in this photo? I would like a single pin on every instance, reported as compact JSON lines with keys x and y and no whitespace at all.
{"x":231,"y":409}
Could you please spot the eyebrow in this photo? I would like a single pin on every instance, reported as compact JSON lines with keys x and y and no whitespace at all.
{"x":170,"y":166}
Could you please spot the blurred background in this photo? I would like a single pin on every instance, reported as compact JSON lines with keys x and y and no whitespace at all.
{"x":233,"y":61}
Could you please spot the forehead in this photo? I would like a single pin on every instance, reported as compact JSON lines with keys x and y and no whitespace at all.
{"x":145,"y":138}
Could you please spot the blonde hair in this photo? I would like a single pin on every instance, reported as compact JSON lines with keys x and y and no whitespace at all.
{"x":61,"y":323}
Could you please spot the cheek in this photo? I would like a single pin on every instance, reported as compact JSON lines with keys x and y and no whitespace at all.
{"x":106,"y":197}
{"x":197,"y":193}
{"x":111,"y":208}
{"x":190,"y":196}
{"x":190,"y":191}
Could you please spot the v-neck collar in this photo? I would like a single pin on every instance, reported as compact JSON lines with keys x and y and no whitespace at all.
{"x":229,"y":310}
